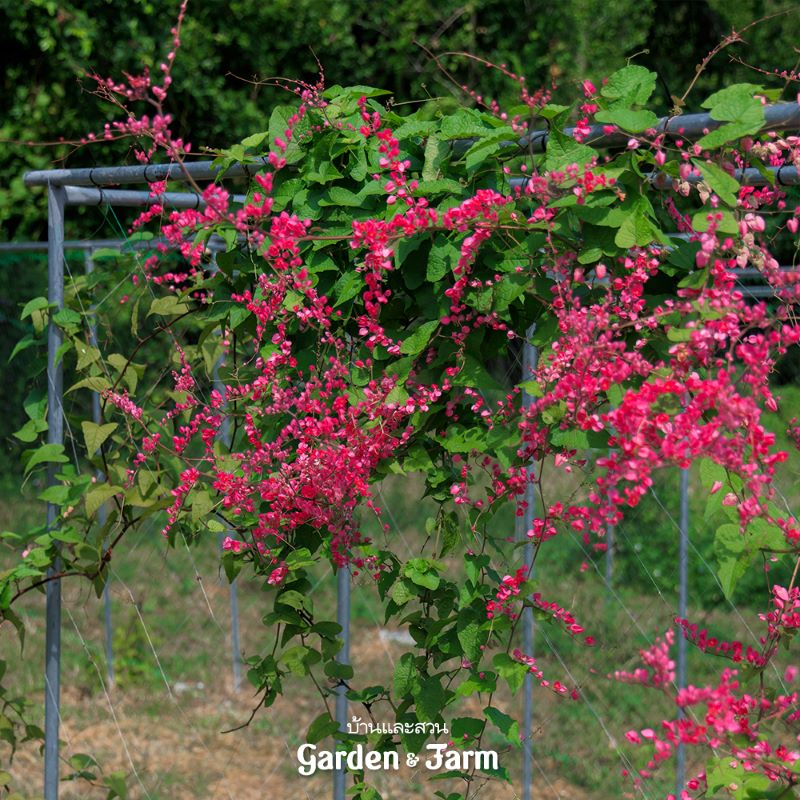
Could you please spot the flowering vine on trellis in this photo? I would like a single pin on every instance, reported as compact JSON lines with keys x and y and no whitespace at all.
{"x":371,"y":270}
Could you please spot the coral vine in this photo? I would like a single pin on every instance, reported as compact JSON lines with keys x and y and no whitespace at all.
{"x":338,"y":380}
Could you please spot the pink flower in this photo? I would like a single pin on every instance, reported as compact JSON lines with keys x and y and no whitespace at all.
{"x":278,"y":574}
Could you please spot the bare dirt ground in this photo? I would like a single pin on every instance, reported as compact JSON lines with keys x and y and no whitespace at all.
{"x":172,"y":745}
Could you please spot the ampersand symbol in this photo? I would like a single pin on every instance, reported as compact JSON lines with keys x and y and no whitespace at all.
{"x":412,"y":759}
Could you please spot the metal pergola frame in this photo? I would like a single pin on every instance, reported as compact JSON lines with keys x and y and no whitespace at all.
{"x":59,"y":197}
{"x":90,"y":186}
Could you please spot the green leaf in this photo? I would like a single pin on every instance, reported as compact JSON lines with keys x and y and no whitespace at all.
{"x":722,"y":184}
{"x":30,"y":431}
{"x":231,"y":565}
{"x":406,"y":675}
{"x":344,"y":198}
{"x":46,"y":454}
{"x":128,"y":371}
{"x":430,"y":698}
{"x":737,"y":106}
{"x":571,"y":439}
{"x":470,"y":637}
{"x":508,"y":290}
{"x":731,"y":103}
{"x":294,"y":599}
{"x":57,"y":494}
{"x":97,"y":383}
{"x":631,"y":85}
{"x":735,"y":552}
{"x":727,"y":224}
{"x":512,"y":672}
{"x":347,"y":287}
{"x":450,"y":535}
{"x":683,"y":256}
{"x":169,"y":306}
{"x":37,"y":304}
{"x":82,"y":761}
{"x":418,"y":340}
{"x":278,"y":123}
{"x":636,"y":229}
{"x":67,"y":318}
{"x":427,"y":580}
{"x":441,"y":260}
{"x":87,"y":355}
{"x":466,"y":725}
{"x":475,"y":684}
{"x":710,"y":472}
{"x":627,"y":119}
{"x":255,"y":140}
{"x":94,"y":435}
{"x":98,"y":495}
{"x":324,"y":725}
{"x":461,"y":440}
{"x":563,"y":150}
{"x":116,"y":786}
{"x":487,"y":146}
{"x":298,"y":660}
{"x":414,"y":128}
{"x":23,"y":344}
{"x":202,"y":503}
{"x":473,"y":373}
{"x":729,"y":776}
{"x":506,"y":725}
{"x":436,"y":152}
{"x":400,"y":593}
{"x":342,"y":672}
{"x":464,"y":124}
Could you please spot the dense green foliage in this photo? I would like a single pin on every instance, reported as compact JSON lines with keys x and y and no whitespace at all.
{"x":49,"y":47}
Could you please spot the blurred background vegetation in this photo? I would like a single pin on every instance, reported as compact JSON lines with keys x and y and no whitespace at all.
{"x":48,"y":47}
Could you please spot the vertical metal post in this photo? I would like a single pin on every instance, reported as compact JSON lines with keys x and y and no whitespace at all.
{"x":530,"y":358}
{"x":55,"y":435}
{"x":683,"y":596}
{"x":610,"y":531}
{"x":342,"y":657}
{"x":233,"y":592}
{"x":101,"y":513}
{"x":236,"y":652}
{"x":109,"y":628}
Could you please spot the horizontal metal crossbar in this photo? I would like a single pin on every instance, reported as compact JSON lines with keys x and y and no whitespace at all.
{"x":780,"y":176}
{"x":214,"y":242}
{"x":784,"y":116}
{"x":96,"y":196}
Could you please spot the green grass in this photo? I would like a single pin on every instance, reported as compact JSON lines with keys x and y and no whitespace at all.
{"x":172,"y":626}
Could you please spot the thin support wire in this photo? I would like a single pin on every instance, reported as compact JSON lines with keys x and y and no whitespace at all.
{"x":97,"y":417}
{"x":55,"y":436}
{"x":90,"y":658}
{"x":600,"y":721}
{"x":611,"y":532}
